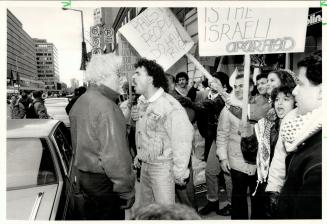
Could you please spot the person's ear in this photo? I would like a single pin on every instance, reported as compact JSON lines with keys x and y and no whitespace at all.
{"x":150,"y":79}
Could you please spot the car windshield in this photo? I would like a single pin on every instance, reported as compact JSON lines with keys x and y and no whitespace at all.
{"x":29,"y":163}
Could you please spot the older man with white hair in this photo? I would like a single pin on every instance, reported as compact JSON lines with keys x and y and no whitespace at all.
{"x":102,"y":157}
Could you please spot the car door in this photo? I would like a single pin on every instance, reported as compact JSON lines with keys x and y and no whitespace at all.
{"x":62,"y":141}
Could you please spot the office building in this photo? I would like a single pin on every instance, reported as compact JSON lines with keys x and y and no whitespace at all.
{"x":47,"y":63}
{"x":21,"y":61}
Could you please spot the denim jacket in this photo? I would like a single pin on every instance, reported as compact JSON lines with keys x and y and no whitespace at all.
{"x":164,"y":132}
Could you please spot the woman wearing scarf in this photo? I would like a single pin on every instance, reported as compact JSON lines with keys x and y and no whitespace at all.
{"x":264,"y":141}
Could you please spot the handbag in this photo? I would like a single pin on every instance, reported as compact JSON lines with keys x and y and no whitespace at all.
{"x":249,"y":148}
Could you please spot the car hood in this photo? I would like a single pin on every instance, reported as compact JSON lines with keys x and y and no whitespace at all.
{"x":20,"y":202}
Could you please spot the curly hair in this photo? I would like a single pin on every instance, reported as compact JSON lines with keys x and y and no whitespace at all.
{"x":286,"y":79}
{"x":181,"y":75}
{"x":154,"y":70}
{"x":314,"y":67}
{"x":283,"y":89}
{"x":166,"y":212}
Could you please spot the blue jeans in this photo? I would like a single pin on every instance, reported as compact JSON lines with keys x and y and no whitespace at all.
{"x":157,"y":183}
{"x":186,"y":194}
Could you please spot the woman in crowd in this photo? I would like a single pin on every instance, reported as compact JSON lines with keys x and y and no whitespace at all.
{"x":280,"y":78}
{"x":264,"y":141}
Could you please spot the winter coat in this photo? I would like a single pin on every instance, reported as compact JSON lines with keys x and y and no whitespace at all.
{"x":229,"y":143}
{"x":301,"y":196}
{"x":98,"y":131}
{"x":17,"y":111}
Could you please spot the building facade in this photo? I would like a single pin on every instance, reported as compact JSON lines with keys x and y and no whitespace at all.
{"x":74,"y":83}
{"x":21,"y":61}
{"x":47,"y":63}
{"x":189,"y":20}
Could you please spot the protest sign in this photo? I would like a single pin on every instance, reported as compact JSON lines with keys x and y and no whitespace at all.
{"x":237,"y":31}
{"x":156,"y":34}
{"x":129,"y":56}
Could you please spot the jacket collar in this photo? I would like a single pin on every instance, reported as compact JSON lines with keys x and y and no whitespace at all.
{"x":153,"y":98}
{"x":107,"y":92}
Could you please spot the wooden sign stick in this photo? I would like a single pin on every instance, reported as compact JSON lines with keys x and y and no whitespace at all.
{"x":199,"y":66}
{"x":246,"y":88}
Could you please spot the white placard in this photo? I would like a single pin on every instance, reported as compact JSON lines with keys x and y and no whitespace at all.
{"x":156,"y":34}
{"x":238,"y":31}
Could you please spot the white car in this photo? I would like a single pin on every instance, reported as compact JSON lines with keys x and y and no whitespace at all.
{"x":39,"y":166}
{"x":56,"y":109}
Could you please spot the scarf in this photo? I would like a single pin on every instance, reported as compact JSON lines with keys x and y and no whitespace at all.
{"x":298,"y":129}
{"x":262,"y":130}
{"x":182,"y":91}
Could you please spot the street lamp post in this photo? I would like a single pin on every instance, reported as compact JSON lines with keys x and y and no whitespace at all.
{"x":84,"y":53}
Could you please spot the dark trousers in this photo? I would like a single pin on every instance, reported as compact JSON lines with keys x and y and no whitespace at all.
{"x":260,"y":201}
{"x":241,"y":181}
{"x":101,"y":203}
{"x":186,"y":194}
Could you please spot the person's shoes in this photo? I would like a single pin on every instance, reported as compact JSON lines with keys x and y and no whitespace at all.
{"x":226,"y":211}
{"x":210,"y":207}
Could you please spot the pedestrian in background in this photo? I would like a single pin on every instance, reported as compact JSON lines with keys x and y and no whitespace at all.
{"x":37,"y":109}
{"x":103,"y":162}
{"x":25,"y":99}
{"x":17,"y":109}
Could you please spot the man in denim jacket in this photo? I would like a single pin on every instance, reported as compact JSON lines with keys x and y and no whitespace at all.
{"x":163,"y":136}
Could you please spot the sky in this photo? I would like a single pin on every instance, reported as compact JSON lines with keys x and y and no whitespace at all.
{"x":63,"y":29}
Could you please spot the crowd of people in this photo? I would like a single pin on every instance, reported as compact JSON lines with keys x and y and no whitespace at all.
{"x":274,"y":157}
{"x":28,"y":105}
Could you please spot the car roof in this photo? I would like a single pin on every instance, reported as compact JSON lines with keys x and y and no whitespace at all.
{"x":30,"y":128}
